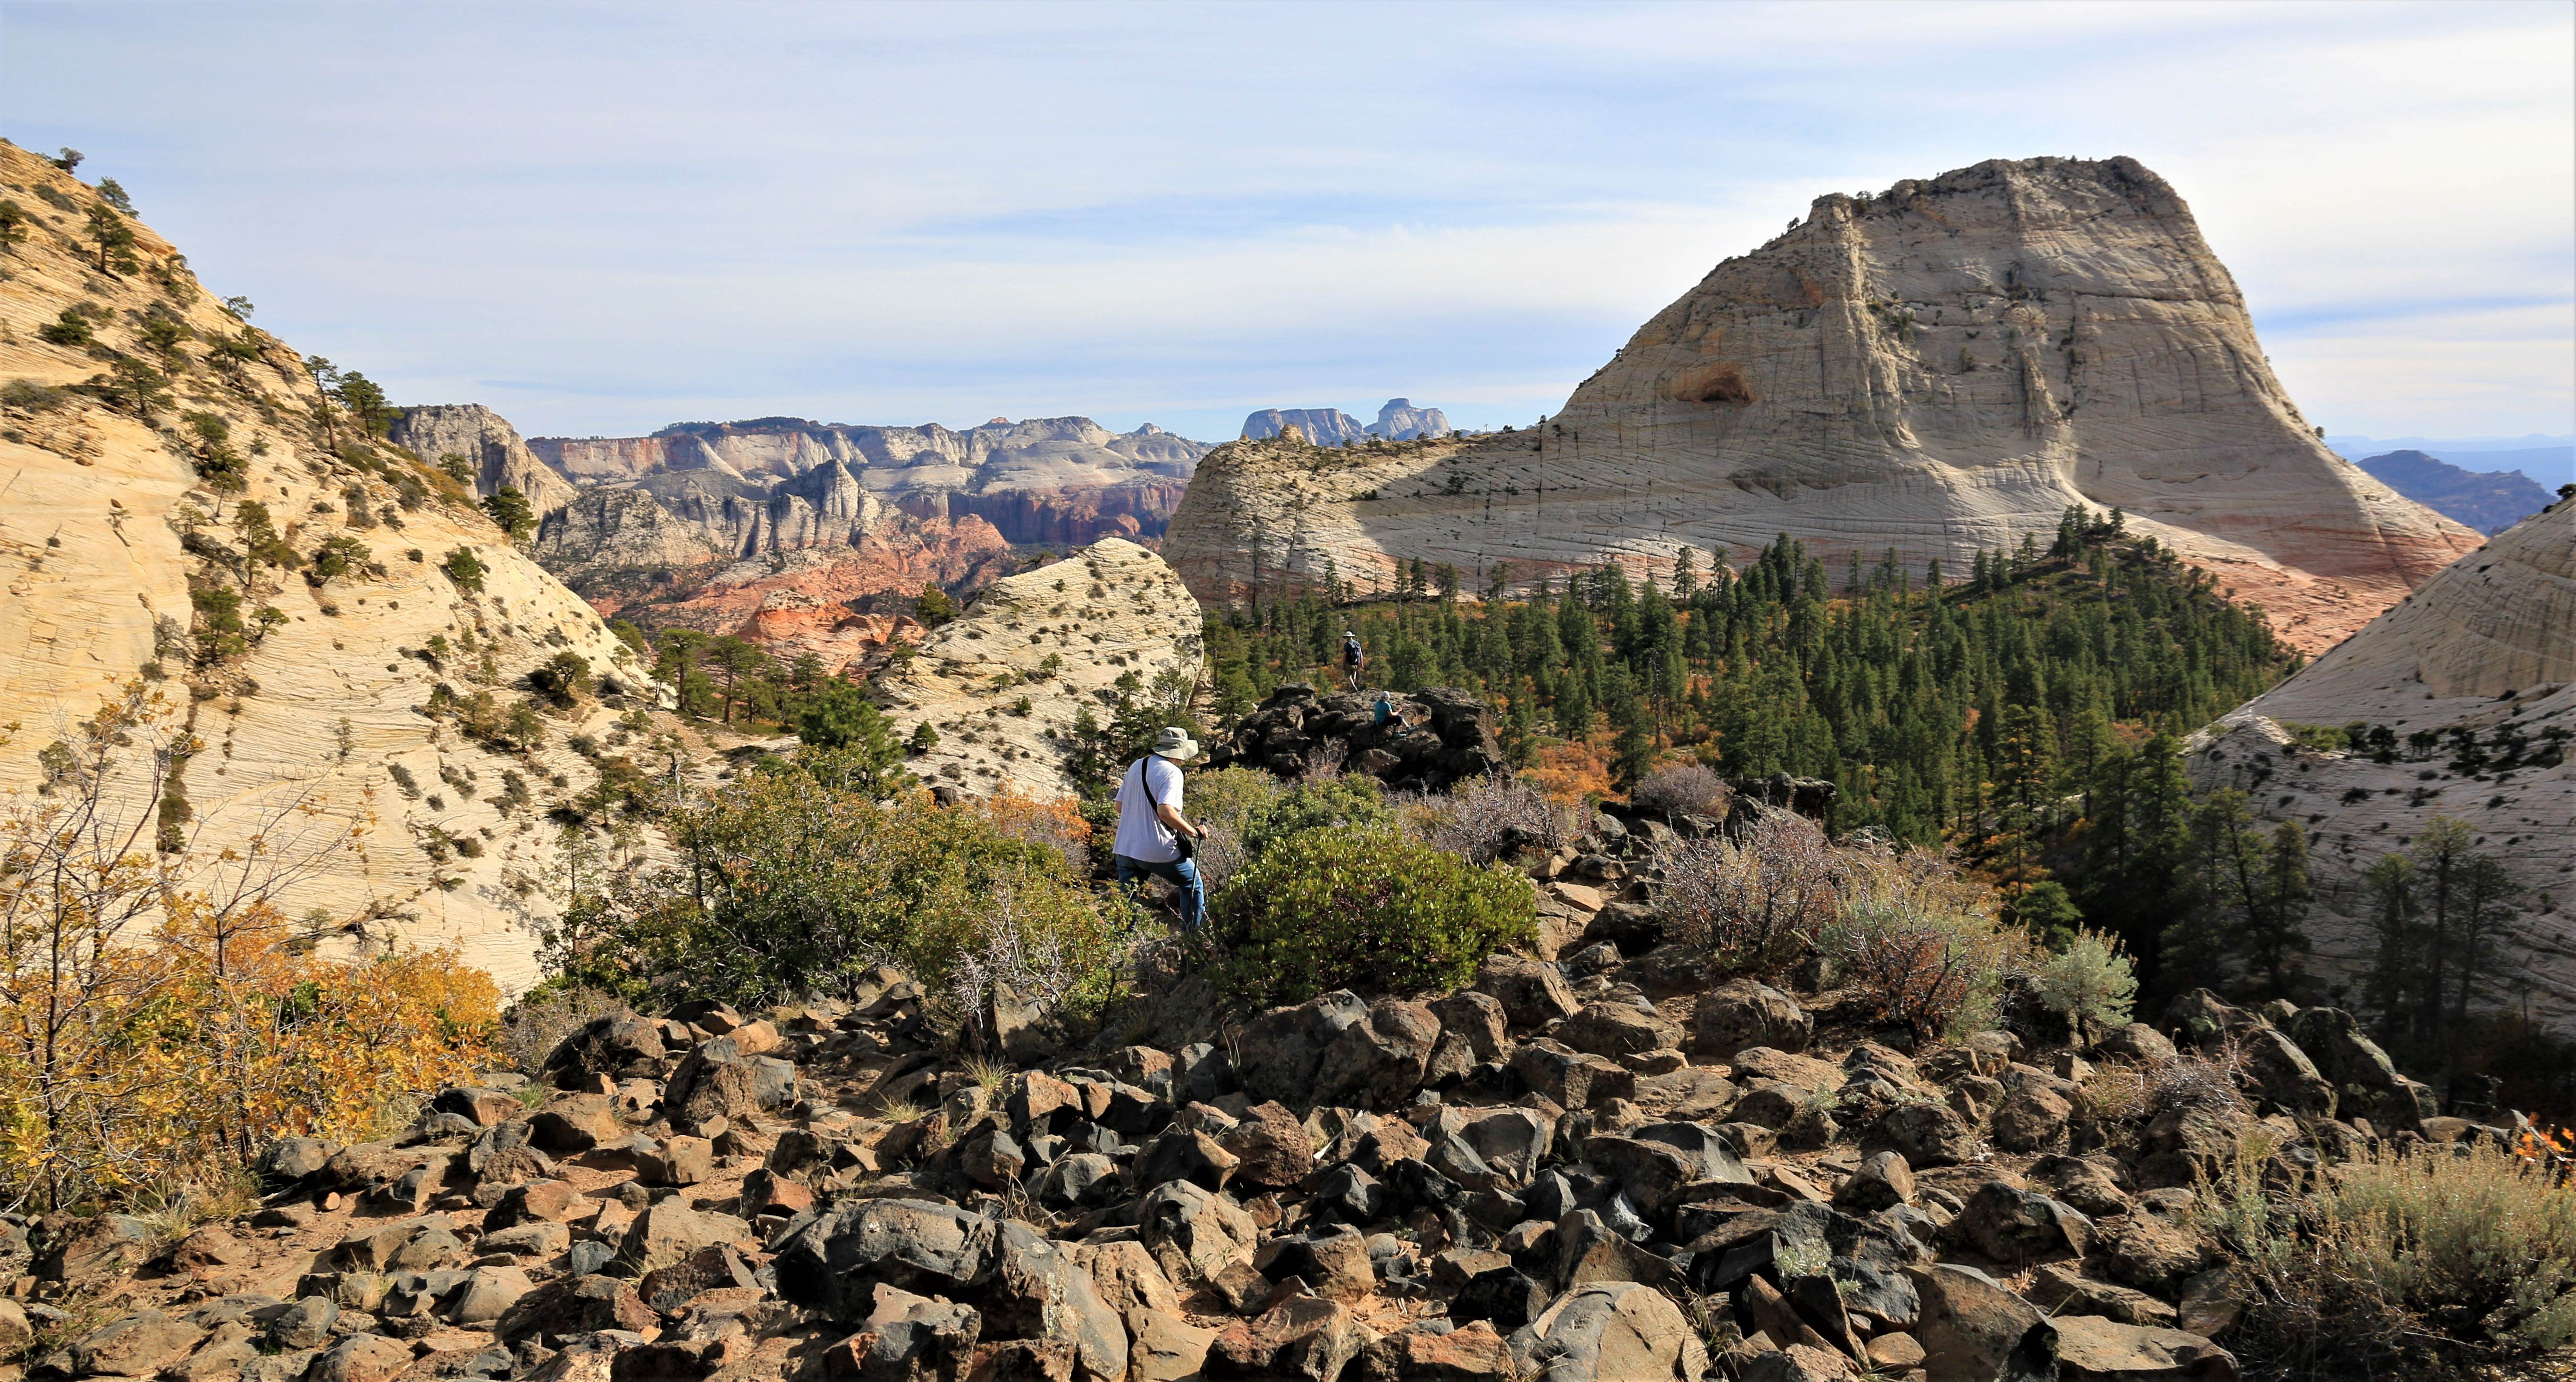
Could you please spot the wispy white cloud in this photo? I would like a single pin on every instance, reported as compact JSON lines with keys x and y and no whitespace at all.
{"x":604,"y":217}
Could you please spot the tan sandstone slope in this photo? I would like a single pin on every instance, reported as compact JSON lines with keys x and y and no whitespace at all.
{"x":105,"y":527}
{"x":2489,"y":642}
{"x":1939,"y":368}
{"x":984,"y":682}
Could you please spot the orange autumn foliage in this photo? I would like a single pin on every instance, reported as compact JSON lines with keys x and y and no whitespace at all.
{"x":1575,"y":774}
{"x":156,"y":1022}
{"x":1057,"y":823}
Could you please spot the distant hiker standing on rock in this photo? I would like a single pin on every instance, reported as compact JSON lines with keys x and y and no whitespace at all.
{"x":1353,"y":658}
{"x":1154,"y":838}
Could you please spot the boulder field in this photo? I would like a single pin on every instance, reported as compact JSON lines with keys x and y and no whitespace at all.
{"x":1611,"y":1167}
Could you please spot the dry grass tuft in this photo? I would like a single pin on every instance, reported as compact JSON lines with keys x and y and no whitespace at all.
{"x":2449,"y":1263}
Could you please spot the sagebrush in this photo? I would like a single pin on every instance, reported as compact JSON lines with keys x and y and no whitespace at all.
{"x":2452,"y":1262}
{"x":1922,"y":944}
{"x":1758,"y":903}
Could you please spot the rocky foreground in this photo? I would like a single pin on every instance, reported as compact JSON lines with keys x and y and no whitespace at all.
{"x":1601,"y":1169}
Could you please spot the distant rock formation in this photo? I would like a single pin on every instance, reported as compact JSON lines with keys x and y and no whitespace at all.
{"x":489,"y":444}
{"x":811,"y":599}
{"x":1063,"y":481}
{"x":1399,"y":420}
{"x":701,"y":523}
{"x":115,"y":540}
{"x":1320,"y":426}
{"x":2488,"y":642}
{"x":1935,"y":370}
{"x":1002,"y":684}
{"x":2489,"y":501}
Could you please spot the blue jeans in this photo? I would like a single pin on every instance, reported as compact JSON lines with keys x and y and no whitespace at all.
{"x":1181,"y":873}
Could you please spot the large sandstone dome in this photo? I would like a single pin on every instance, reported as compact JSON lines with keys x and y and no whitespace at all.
{"x":1938,"y":369}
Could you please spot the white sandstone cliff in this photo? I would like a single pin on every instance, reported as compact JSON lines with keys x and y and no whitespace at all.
{"x":1935,"y":370}
{"x":489,"y":444}
{"x":2489,"y":642}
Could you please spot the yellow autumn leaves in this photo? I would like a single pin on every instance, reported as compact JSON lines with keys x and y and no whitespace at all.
{"x":159,"y":1022}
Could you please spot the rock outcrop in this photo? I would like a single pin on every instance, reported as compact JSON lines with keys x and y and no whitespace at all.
{"x":1428,"y":740}
{"x":2488,"y":647}
{"x":1002,"y":684}
{"x":1399,"y":420}
{"x":124,"y":560}
{"x":1938,"y":369}
{"x":1530,"y":1177}
{"x":2487,"y":500}
{"x":1322,"y":426}
{"x":488,"y":444}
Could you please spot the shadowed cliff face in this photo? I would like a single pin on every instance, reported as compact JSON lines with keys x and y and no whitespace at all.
{"x":1935,"y":370}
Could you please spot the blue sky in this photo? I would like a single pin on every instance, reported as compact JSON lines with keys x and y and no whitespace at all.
{"x":599,"y":219}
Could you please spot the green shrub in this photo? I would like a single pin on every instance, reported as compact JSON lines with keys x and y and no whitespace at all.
{"x":2444,"y":1264}
{"x":464,"y":568}
{"x":32,"y":396}
{"x":563,"y":678}
{"x":789,"y":883}
{"x":1218,"y":804}
{"x":1364,"y":909}
{"x":338,"y":556}
{"x":2090,"y":984}
{"x":1350,"y":802}
{"x":71,"y":328}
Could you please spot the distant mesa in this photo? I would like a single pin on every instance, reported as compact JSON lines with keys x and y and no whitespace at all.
{"x":2489,"y":501}
{"x":1320,"y":426}
{"x":1933,"y":370}
{"x":1399,"y":420}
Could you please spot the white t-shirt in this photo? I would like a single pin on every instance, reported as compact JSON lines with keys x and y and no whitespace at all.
{"x":1142,"y":836}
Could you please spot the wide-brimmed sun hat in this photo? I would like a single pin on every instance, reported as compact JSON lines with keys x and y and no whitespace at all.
{"x":1176,"y":744}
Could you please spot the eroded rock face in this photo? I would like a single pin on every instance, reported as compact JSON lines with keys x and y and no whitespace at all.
{"x":489,"y":444}
{"x":1054,"y":480}
{"x":2489,"y":642}
{"x":1111,"y":610}
{"x":1936,"y":370}
{"x":117,"y":522}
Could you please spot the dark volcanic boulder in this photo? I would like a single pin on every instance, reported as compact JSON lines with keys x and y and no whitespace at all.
{"x":1276,"y":1054}
{"x":605,"y":1045}
{"x":1434,"y":738}
{"x":834,"y":1261}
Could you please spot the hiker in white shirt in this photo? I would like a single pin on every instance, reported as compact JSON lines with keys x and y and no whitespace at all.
{"x":1154,"y":838}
